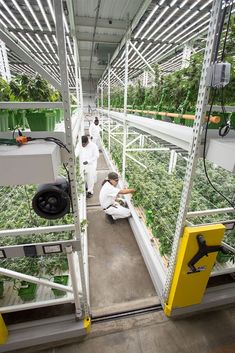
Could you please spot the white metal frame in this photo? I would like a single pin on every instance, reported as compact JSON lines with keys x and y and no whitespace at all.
{"x":203,"y":96}
{"x":187,"y":139}
{"x":4,"y":64}
{"x":77,"y":258}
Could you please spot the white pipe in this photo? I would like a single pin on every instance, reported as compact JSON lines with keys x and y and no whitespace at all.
{"x":125,"y":113}
{"x":210,"y":212}
{"x":143,"y":59}
{"x":32,"y":279}
{"x":37,"y":230}
{"x":117,"y":77}
{"x":41,"y":304}
{"x":109,"y":141}
{"x":135,"y":160}
{"x":114,"y":138}
{"x":74,"y":280}
{"x":147,"y":149}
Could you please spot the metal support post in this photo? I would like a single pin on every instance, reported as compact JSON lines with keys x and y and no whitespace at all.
{"x":173,"y":161}
{"x":102,"y":96}
{"x":142,"y":141}
{"x":102,"y":107}
{"x":98,"y":103}
{"x":69,"y":141}
{"x":125,"y":114}
{"x":109,"y":138}
{"x":202,"y":101}
{"x":186,"y":56}
{"x":74,"y":280}
{"x":76,"y":59}
{"x":78,"y":82}
{"x":145,"y":78}
{"x":4,"y":64}
{"x":81,"y":100}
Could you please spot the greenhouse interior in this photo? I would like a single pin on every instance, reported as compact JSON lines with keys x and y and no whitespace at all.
{"x":117,"y":176}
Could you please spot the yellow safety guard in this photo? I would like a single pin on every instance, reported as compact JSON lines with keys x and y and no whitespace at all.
{"x":188,"y":286}
{"x":3,"y":331}
{"x":87,"y":324}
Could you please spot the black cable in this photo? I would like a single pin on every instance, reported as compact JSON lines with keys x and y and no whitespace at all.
{"x":50,"y":139}
{"x":220,"y":32}
{"x":204,"y":154}
{"x":225,"y":127}
{"x":226,"y":34}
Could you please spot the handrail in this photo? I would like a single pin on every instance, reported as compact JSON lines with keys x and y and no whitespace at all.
{"x":213,"y":119}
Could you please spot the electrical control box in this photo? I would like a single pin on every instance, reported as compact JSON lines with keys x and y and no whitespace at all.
{"x":221,"y":151}
{"x":218,"y":75}
{"x":32,"y":163}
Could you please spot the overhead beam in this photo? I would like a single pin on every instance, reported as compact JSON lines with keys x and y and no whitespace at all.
{"x":30,"y":31}
{"x":105,"y":23}
{"x":85,"y":63}
{"x":99,"y":38}
{"x":26,"y":57}
{"x":92,"y":69}
{"x":134,"y":23}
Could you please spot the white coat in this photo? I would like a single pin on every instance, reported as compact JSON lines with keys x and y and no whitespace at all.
{"x":90,"y":154}
{"x":94,"y":132}
{"x":108,"y":195}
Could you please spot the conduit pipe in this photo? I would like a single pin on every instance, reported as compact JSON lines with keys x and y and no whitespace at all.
{"x":213,"y":119}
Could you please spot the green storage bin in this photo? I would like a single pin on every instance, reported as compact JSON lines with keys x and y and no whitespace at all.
{"x":38,"y":121}
{"x":60,"y":280}
{"x":11,"y":120}
{"x":27,"y":291}
{"x":4,"y":120}
{"x":20,"y":119}
{"x":51,"y":115}
{"x":59,"y":115}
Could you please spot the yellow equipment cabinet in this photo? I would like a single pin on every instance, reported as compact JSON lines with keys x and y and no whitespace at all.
{"x":196,"y":257}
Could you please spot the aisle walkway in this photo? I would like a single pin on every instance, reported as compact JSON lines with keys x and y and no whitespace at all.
{"x":119,"y":280}
{"x":212,"y":332}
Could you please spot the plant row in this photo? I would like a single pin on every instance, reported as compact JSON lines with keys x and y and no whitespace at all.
{"x":158,"y":193}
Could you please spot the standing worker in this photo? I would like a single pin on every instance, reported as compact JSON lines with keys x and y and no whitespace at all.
{"x":94,"y":131}
{"x":88,"y":159}
{"x":108,"y":198}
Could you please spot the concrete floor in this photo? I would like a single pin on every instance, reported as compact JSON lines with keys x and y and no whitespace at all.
{"x":119,"y":279}
{"x":118,"y":276}
{"x":212,"y":332}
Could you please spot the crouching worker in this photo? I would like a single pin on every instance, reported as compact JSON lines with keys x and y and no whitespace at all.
{"x":108,"y":198}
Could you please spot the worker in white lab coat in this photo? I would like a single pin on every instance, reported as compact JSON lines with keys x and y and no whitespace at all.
{"x":94,"y":131}
{"x":108,"y":198}
{"x":88,"y":160}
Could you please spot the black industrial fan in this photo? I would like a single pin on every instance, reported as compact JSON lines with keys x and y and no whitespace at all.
{"x":52,"y":201}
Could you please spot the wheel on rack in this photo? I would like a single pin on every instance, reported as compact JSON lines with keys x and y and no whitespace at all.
{"x":52,"y":201}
